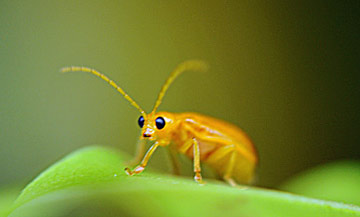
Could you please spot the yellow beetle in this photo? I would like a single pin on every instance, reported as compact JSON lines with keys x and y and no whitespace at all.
{"x":221,"y":145}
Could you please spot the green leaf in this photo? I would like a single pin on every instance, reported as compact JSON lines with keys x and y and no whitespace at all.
{"x":8,"y":195}
{"x":91,"y":182}
{"x":338,"y":181}
{"x":85,"y":166}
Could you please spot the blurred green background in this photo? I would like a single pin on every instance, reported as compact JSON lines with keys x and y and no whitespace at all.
{"x":285,"y":72}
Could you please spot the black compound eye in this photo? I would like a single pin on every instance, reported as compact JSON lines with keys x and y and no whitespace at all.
{"x":141,"y":121}
{"x":160,"y":123}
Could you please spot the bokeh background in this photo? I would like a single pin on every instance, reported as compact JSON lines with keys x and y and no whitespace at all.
{"x":285,"y":72}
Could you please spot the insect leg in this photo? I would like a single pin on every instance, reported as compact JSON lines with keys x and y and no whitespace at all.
{"x":175,"y":161}
{"x":186,"y":146}
{"x":144,"y":162}
{"x":229,"y":143}
{"x":140,"y":151}
{"x":197,"y":168}
{"x":219,"y":154}
{"x":229,"y":169}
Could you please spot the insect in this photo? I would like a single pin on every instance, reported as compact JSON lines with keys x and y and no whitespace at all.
{"x":221,"y":145}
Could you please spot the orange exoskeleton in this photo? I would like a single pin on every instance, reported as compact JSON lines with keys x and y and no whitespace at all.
{"x":221,"y":145}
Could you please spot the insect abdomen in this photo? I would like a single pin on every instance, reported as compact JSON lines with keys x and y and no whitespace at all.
{"x":243,"y":171}
{"x":217,"y":153}
{"x":218,"y":156}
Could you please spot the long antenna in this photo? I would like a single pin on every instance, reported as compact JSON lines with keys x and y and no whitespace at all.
{"x":193,"y":65}
{"x":102,"y":76}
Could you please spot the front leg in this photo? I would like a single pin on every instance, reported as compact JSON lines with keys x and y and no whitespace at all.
{"x":197,"y":168}
{"x":144,"y":162}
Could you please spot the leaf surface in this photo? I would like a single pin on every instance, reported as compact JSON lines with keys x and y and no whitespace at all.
{"x":92,"y":182}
